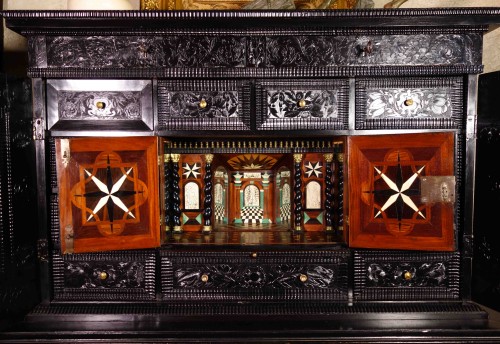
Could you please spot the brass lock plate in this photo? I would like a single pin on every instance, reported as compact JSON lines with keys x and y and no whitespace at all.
{"x":437,"y":189}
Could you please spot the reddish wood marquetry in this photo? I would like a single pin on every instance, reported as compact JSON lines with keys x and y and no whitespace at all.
{"x":385,"y":203}
{"x":108,"y":193}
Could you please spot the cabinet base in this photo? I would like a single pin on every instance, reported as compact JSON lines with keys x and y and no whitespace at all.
{"x":256,"y":322}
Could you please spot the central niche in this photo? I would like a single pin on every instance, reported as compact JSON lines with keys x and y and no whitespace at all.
{"x":252,"y":191}
{"x":252,"y":186}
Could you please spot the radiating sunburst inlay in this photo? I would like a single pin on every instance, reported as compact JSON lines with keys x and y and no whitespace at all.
{"x":252,"y":162}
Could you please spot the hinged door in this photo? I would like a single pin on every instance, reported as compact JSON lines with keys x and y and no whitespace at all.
{"x":402,"y":191}
{"x":108,"y":193}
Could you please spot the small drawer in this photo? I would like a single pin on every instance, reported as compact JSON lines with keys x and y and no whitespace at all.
{"x":203,"y":105}
{"x":405,"y":276}
{"x":409,"y":103}
{"x":302,"y":105}
{"x":255,"y":275}
{"x":99,"y":105}
{"x":105,"y":276}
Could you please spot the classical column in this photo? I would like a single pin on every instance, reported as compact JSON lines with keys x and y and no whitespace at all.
{"x":297,"y":188}
{"x":168,"y":191}
{"x":207,"y":211}
{"x":340,"y":195}
{"x":176,"y":199}
{"x":328,"y":192}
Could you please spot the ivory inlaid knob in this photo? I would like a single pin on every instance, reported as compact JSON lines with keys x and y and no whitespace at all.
{"x":103,"y":275}
{"x":203,"y":104}
{"x":303,"y":278}
{"x":301,"y":103}
{"x":204,"y":278}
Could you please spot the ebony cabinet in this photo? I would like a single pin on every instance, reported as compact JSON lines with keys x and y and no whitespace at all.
{"x":248,"y":176}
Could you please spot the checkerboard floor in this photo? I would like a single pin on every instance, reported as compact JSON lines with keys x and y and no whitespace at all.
{"x":252,"y":215}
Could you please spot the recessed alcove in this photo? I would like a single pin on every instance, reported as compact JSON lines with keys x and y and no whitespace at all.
{"x":254,"y":185}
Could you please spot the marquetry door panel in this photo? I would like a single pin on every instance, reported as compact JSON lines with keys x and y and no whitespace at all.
{"x":108,"y":193}
{"x":402,"y":191}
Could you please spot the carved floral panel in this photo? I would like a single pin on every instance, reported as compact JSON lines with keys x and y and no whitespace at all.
{"x":204,"y":104}
{"x":113,"y":104}
{"x":295,"y":104}
{"x":99,"y":105}
{"x":403,"y":275}
{"x":408,"y":103}
{"x":302,"y":104}
{"x":145,"y":51}
{"x":396,"y":274}
{"x":109,"y":274}
{"x":237,"y":276}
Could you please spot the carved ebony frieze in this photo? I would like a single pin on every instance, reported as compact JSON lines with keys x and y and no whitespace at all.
{"x":238,"y":50}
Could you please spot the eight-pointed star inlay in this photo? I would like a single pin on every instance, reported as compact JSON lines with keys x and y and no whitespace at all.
{"x":314,"y":169}
{"x":109,"y":193}
{"x":191,"y":170}
{"x":399,"y":191}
